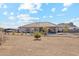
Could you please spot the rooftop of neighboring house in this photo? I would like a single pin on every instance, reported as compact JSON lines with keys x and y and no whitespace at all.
{"x":66,"y":24}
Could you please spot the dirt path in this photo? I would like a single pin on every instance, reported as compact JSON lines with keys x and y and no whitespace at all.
{"x":25,"y":45}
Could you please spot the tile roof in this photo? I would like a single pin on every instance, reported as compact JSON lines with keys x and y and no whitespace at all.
{"x":40,"y":24}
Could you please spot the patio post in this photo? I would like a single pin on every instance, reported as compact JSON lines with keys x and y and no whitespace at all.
{"x":56,"y":30}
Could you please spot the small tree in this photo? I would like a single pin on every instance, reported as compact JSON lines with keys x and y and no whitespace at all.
{"x":45,"y":31}
{"x":66,"y":28}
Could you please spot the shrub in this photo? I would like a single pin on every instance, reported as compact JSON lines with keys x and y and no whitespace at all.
{"x":37,"y":35}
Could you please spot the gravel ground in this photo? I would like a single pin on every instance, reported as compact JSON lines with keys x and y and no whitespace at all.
{"x":58,"y":45}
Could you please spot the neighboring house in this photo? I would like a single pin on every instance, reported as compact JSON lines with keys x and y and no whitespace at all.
{"x":74,"y":29}
{"x":10,"y":30}
{"x":38,"y":27}
{"x":70,"y":26}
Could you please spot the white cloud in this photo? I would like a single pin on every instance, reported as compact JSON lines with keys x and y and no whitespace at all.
{"x":30,"y":6}
{"x":4,"y":6}
{"x":11,"y":13}
{"x":1,"y":5}
{"x":38,"y":6}
{"x":44,"y":17}
{"x":34,"y":11}
{"x":19,"y":20}
{"x":26,"y":6}
{"x":5,"y":13}
{"x":36,"y":18}
{"x":53,"y":9}
{"x":67,"y":4}
{"x":50,"y":16}
{"x":1,"y":25}
{"x":74,"y":20}
{"x":24,"y":17}
{"x":9,"y":25}
{"x":64,"y":9}
{"x":11,"y":18}
{"x":40,"y":1}
{"x":61,"y":15}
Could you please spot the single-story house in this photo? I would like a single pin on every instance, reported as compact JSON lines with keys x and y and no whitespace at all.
{"x":10,"y":30}
{"x":38,"y":27}
{"x":62,"y":26}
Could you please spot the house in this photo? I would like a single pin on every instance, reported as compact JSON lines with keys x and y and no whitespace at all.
{"x":74,"y":29}
{"x":70,"y":26}
{"x":10,"y":30}
{"x":38,"y":27}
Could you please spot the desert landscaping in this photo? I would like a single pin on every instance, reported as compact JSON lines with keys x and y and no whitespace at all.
{"x":39,"y":29}
{"x":66,"y":44}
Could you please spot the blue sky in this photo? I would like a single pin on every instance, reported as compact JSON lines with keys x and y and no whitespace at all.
{"x":17,"y":14}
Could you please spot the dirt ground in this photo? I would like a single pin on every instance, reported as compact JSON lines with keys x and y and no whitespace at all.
{"x":55,"y":45}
